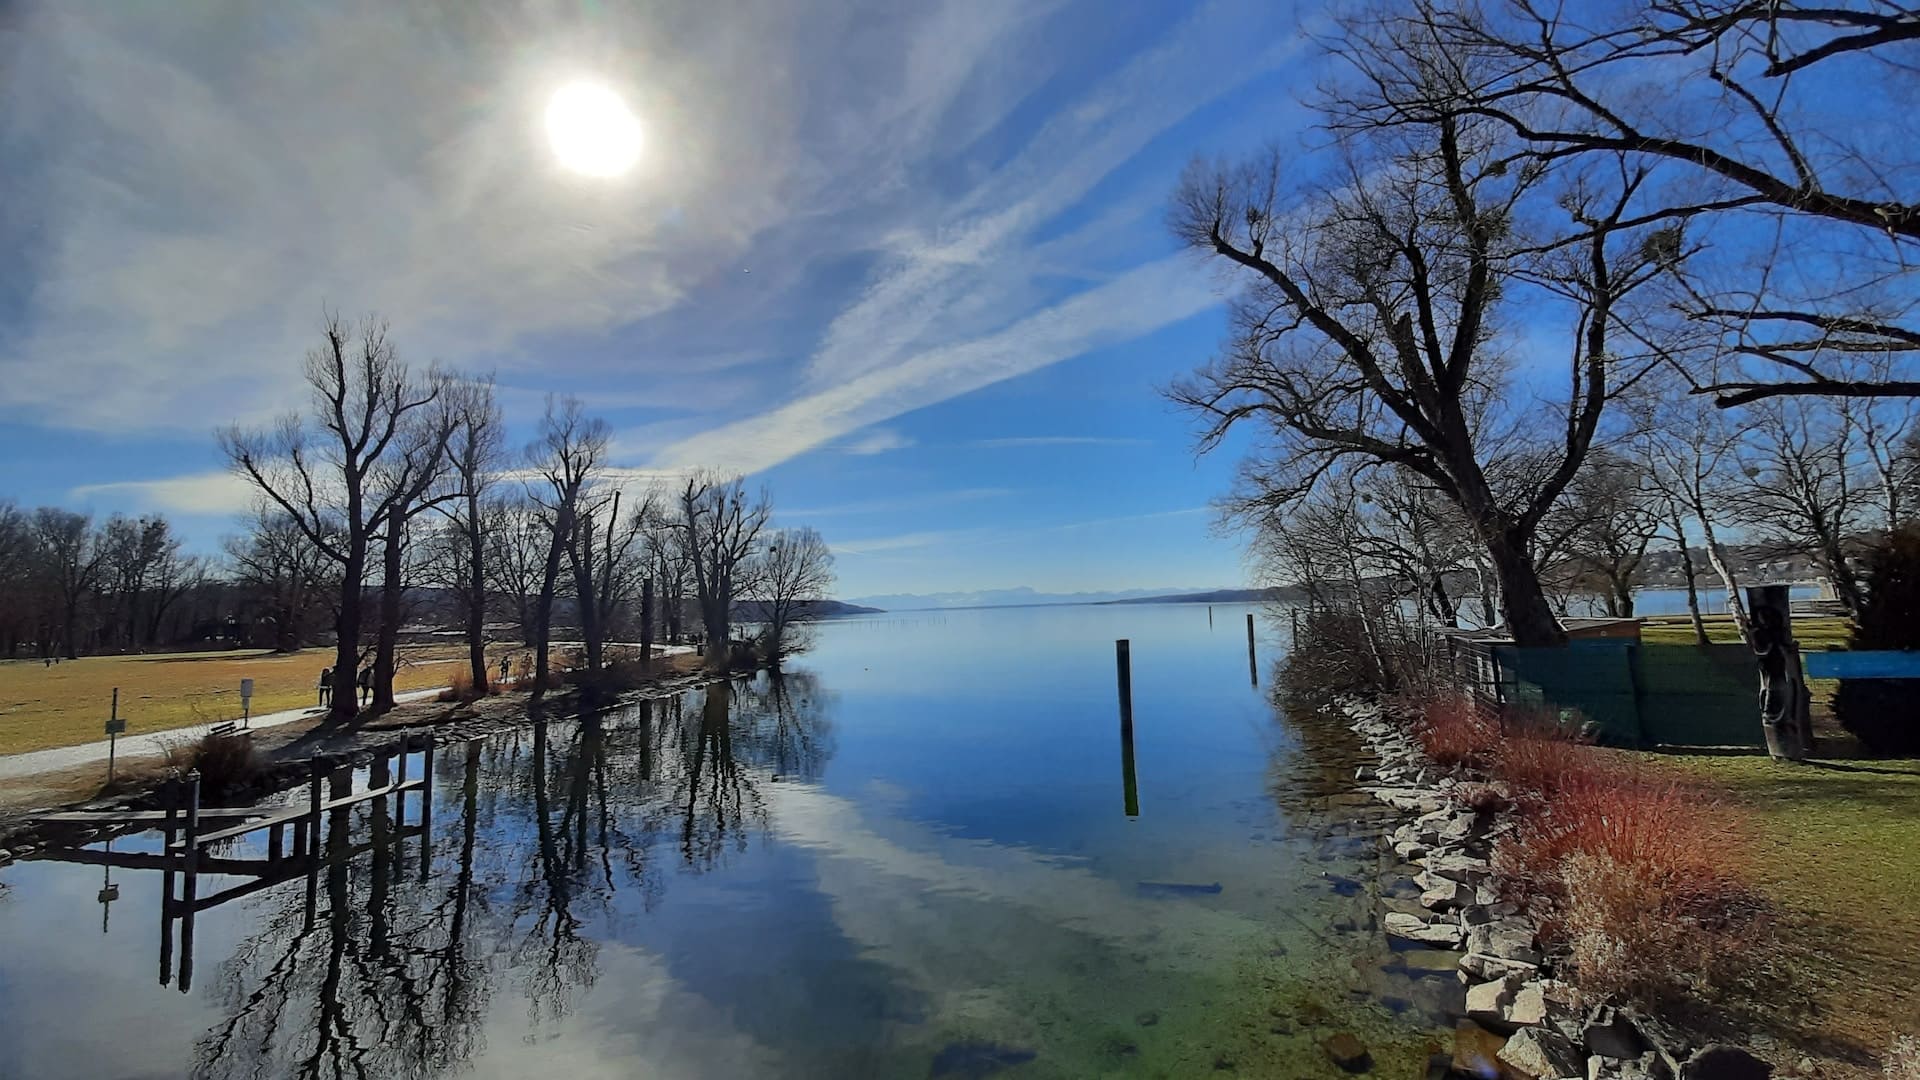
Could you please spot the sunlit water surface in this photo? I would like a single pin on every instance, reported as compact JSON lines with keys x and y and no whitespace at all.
{"x":910,"y":857}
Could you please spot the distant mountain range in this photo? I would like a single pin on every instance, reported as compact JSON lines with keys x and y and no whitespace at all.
{"x":1027,"y":597}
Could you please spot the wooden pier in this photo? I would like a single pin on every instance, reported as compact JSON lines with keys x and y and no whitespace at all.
{"x":319,"y":826}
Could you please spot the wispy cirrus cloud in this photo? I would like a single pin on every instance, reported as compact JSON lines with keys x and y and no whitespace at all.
{"x":210,"y":493}
{"x":1019,"y":441}
{"x":878,"y":441}
{"x":918,"y":501}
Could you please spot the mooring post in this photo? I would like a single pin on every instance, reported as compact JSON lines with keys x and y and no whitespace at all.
{"x":1123,"y":663}
{"x":167,"y":829}
{"x":189,"y":886}
{"x":426,"y":806}
{"x":399,"y":784}
{"x":1253,"y":667}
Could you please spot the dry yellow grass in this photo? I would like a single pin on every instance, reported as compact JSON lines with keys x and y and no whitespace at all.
{"x":41,"y":707}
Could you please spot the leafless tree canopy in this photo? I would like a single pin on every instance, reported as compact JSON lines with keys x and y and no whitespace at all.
{"x":1379,"y":322}
{"x":720,"y":525}
{"x":793,"y":573}
{"x":325,"y":470}
{"x":1781,"y":139}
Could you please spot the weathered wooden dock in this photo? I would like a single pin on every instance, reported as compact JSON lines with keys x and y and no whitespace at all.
{"x":326,"y":812}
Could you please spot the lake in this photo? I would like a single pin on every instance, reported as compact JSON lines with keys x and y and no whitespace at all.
{"x":910,"y":856}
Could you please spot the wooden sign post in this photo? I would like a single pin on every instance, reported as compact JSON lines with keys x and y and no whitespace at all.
{"x":115,"y":726}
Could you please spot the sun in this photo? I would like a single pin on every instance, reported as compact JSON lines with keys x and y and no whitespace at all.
{"x":592,"y":131}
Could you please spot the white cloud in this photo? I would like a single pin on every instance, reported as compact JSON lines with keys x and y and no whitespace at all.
{"x":1056,"y":440}
{"x":188,"y":188}
{"x":877,"y":441}
{"x":1138,"y":302}
{"x":917,"y":501}
{"x":901,"y":542}
{"x":207,"y":493}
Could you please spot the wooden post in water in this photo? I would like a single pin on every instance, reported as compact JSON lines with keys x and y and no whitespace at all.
{"x":426,"y":806}
{"x":1123,"y":663}
{"x":189,"y":887}
{"x":1253,"y":668}
{"x":167,"y":829}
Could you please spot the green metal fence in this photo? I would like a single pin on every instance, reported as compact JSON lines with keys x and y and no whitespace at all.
{"x":1640,"y":695}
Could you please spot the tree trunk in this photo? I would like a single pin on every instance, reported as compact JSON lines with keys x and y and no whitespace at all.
{"x":1693,"y":591}
{"x":1530,"y":621}
{"x":346,"y":628}
{"x":646,"y":621}
{"x":584,"y":588}
{"x":1718,"y":559}
{"x":386,"y":649}
{"x":543,"y":608}
{"x":477,"y":597}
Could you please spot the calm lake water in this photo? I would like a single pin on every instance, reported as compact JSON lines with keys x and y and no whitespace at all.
{"x":910,"y":857}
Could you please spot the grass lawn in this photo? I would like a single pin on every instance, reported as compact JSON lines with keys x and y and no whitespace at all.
{"x":68,"y":703}
{"x":1837,"y":847}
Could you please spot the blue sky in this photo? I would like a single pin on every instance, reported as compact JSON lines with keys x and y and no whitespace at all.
{"x":906,"y":263}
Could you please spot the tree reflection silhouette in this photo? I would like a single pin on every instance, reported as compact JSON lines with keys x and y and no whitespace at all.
{"x":560,"y":826}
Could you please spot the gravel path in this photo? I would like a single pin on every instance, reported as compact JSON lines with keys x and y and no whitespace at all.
{"x":14,"y":766}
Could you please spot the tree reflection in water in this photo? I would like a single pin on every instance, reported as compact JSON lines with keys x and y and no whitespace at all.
{"x":560,"y":829}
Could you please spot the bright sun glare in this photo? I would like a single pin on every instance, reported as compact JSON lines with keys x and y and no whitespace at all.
{"x":592,"y":130}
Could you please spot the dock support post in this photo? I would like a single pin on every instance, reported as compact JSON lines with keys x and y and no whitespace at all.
{"x":189,"y":888}
{"x":426,"y":807}
{"x":1253,"y":666}
{"x":167,"y":829}
{"x":1123,"y":664}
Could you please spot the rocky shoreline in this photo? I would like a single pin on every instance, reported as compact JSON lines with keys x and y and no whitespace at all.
{"x":1521,"y":1020}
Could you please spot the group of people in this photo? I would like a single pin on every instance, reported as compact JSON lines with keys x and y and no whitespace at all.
{"x":365,"y":683}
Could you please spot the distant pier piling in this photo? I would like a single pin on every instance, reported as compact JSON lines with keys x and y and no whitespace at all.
{"x":1123,"y":664}
{"x":1253,"y":664}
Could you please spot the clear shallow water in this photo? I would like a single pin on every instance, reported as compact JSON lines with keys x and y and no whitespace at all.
{"x":909,"y":857}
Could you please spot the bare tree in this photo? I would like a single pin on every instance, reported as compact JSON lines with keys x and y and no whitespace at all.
{"x":72,"y":558}
{"x":720,"y":526}
{"x":285,"y":574}
{"x":668,"y":567}
{"x":1690,"y":452}
{"x":474,"y":455}
{"x":323,"y":472}
{"x":566,"y":458}
{"x":608,"y":565}
{"x":1372,"y":330}
{"x":1785,"y":132}
{"x":1812,"y":486}
{"x":413,"y":480}
{"x":517,"y":546}
{"x":1611,"y":517}
{"x":794,"y":573}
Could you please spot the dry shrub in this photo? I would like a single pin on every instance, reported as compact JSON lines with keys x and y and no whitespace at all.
{"x":225,"y":762}
{"x":1454,"y":730}
{"x":1540,"y":759}
{"x":1638,"y":877}
{"x":460,"y":687}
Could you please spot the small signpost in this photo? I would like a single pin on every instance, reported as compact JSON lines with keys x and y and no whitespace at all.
{"x":246,"y":703}
{"x":115,"y":726}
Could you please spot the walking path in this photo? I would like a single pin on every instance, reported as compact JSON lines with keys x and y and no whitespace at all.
{"x":14,"y":766}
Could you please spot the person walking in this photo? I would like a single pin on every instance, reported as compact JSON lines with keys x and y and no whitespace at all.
{"x":506,"y":662}
{"x":326,"y":686}
{"x":366,"y":685}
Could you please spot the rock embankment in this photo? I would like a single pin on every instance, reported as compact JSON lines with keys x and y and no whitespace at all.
{"x":1521,"y":1020}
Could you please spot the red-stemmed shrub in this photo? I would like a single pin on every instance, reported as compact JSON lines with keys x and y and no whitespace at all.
{"x":1635,"y":874}
{"x":1454,"y":730}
